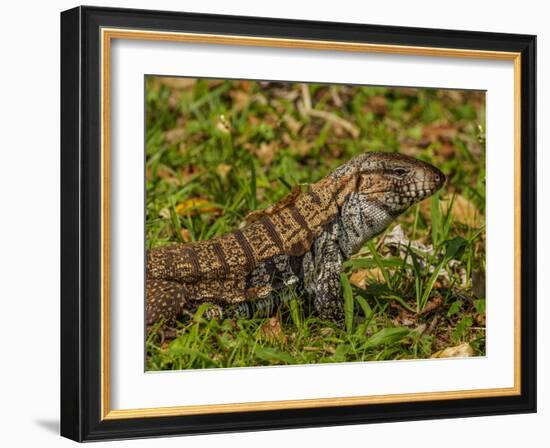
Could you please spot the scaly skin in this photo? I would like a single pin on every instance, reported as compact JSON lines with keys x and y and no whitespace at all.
{"x":299,"y":242}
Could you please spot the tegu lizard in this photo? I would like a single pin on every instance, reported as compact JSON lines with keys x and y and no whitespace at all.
{"x":299,"y":242}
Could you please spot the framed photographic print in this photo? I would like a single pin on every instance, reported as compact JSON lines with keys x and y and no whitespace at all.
{"x":274,"y":224}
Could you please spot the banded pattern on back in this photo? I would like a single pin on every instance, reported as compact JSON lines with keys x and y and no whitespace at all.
{"x":290,"y":231}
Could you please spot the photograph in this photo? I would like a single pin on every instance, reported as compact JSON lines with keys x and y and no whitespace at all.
{"x":301,"y":223}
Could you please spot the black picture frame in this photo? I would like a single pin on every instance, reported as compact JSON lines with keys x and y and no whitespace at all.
{"x":81,"y":209}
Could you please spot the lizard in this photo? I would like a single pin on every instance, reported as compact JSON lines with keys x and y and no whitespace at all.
{"x":299,"y":242}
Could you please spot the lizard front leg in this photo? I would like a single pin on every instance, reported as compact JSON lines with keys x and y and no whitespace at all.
{"x":322,"y":276}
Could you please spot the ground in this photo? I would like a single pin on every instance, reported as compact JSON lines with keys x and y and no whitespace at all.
{"x":217,"y":150}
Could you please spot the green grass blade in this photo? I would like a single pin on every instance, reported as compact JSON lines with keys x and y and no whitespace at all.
{"x":348,"y":303}
{"x":448,"y":219}
{"x":435,"y":211}
{"x":367,"y":310}
{"x":415,"y":223}
{"x":379,"y":263}
{"x":430,"y":284}
{"x":253,"y":197}
{"x":295,"y":312}
{"x":271,"y":354}
{"x":386,"y":336}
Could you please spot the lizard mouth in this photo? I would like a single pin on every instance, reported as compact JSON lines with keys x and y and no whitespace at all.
{"x":416,"y":189}
{"x":419,"y":189}
{"x":423,"y":188}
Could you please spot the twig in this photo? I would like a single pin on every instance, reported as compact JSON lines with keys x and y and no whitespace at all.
{"x":308,"y":110}
{"x":432,"y":305}
{"x":335,"y":96}
{"x":433,"y":324}
{"x":335,"y":119}
{"x":306,"y":97}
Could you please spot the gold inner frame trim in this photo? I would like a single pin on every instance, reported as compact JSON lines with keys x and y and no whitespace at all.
{"x":107,"y":35}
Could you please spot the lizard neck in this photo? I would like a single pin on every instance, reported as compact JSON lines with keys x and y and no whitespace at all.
{"x":360,"y":220}
{"x":334,"y":192}
{"x":303,"y":219}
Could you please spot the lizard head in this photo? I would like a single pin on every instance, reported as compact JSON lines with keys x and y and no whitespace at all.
{"x":391,"y":180}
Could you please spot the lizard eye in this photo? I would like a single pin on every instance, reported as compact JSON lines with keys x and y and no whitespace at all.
{"x":399,"y":171}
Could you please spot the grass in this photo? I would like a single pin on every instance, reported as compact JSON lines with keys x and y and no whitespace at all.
{"x":218,"y":150}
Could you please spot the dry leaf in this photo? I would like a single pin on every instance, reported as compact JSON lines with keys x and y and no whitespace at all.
{"x":246,"y":85}
{"x":240,"y":99}
{"x":253,"y":120}
{"x":408,"y":91}
{"x":464,"y":350}
{"x":335,"y":150}
{"x":260,"y":99}
{"x":266,"y":152}
{"x":480,"y":319}
{"x":292,"y":124}
{"x":174,"y":135}
{"x":178,"y":83}
{"x":215,"y":83}
{"x":223,"y":170}
{"x":287,"y":139}
{"x":464,"y":211}
{"x":288,"y":95}
{"x":167,"y":174}
{"x":272,"y":331}
{"x":454,"y":95}
{"x":185,"y":234}
{"x":279,"y":109}
{"x":378,"y":104}
{"x":433,"y":304}
{"x":447,"y":151}
{"x":223,"y":125}
{"x":188,"y":172}
{"x":360,"y":278}
{"x":329,"y":349}
{"x":439,"y":131}
{"x":301,"y":148}
{"x":174,"y":99}
{"x":195,"y":206}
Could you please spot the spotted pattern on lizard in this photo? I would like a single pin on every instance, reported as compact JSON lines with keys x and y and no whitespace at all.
{"x":299,"y":242}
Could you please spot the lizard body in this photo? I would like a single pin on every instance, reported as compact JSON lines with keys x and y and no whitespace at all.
{"x":300,"y":242}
